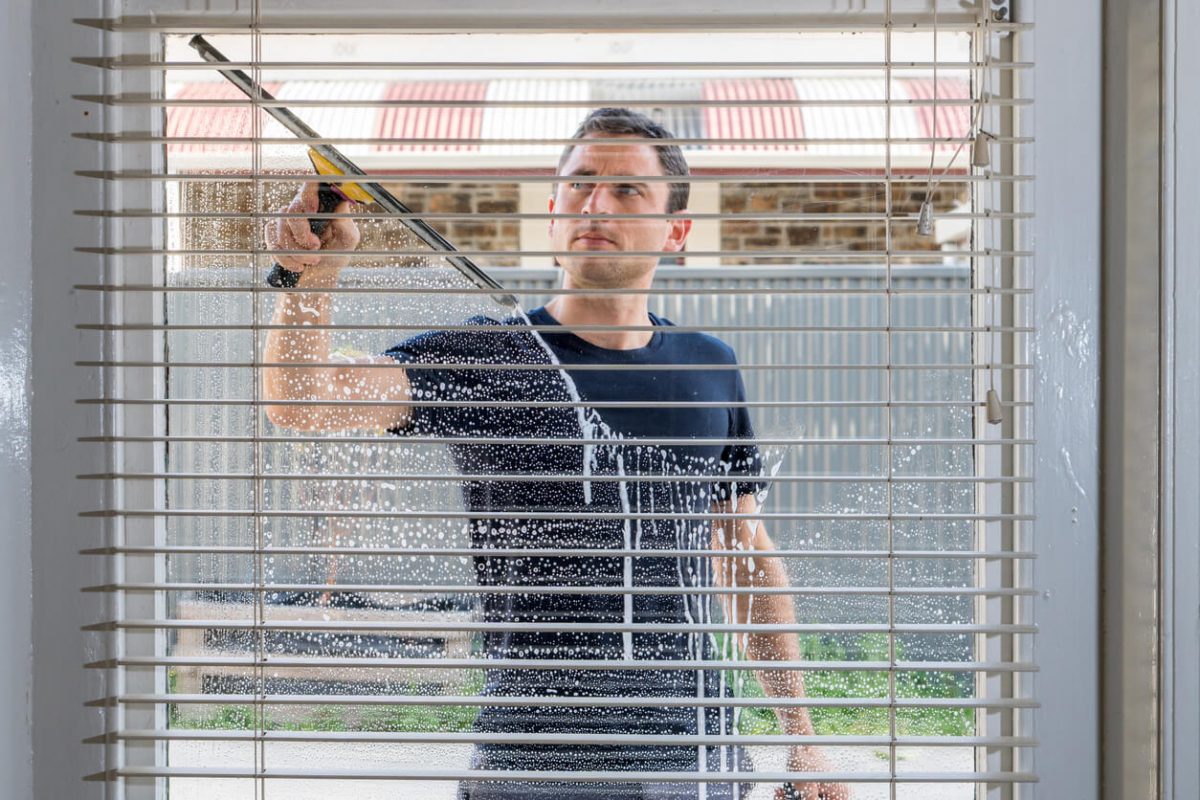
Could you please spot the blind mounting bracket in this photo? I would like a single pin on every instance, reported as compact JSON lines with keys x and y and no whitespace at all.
{"x":1000,"y":10}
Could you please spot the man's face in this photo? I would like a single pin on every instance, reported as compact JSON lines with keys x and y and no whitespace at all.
{"x":595,"y":234}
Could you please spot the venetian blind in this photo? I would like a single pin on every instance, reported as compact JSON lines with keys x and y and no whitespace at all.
{"x":323,"y":614}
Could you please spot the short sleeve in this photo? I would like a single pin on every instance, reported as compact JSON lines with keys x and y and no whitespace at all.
{"x":423,"y":380}
{"x":740,"y":459}
{"x":439,"y":370}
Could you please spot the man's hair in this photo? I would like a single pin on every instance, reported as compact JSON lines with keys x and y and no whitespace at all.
{"x":623,"y":122}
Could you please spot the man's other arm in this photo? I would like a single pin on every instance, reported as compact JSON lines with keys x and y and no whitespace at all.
{"x":753,"y":572}
{"x":749,"y":571}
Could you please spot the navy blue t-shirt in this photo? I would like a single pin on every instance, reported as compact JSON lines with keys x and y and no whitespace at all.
{"x":488,"y":384}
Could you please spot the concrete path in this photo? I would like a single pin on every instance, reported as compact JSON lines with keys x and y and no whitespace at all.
{"x":440,"y":756}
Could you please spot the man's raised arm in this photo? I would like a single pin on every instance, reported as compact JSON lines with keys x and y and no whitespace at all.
{"x":328,"y":395}
{"x":749,"y":572}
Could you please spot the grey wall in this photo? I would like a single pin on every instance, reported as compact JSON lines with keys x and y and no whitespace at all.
{"x":15,"y":302}
{"x":1066,"y":160}
{"x":61,"y":686}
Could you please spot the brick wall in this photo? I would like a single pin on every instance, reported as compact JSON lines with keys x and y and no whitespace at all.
{"x":469,"y":198}
{"x":465,"y":198}
{"x":503,"y":198}
{"x":826,"y":198}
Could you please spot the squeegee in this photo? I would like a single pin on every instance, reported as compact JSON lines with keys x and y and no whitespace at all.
{"x":328,"y":160}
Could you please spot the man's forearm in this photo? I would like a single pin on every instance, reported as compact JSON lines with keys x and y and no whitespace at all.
{"x":754,"y":569}
{"x":305,"y":339}
{"x":775,"y":609}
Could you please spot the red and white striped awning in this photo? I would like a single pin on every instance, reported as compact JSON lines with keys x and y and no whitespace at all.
{"x":430,"y":122}
{"x":939,"y":121}
{"x":476,"y":116}
{"x":753,"y":122}
{"x":232,"y":122}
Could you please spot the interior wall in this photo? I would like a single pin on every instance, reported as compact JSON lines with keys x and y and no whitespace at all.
{"x":1066,"y":47}
{"x":61,"y":686}
{"x":15,"y":491}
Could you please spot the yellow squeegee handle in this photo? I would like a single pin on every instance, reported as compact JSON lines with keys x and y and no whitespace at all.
{"x":323,"y":166}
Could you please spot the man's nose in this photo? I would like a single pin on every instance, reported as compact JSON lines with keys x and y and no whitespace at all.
{"x":597,"y":200}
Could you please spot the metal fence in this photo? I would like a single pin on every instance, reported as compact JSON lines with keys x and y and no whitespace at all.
{"x":851,"y":315}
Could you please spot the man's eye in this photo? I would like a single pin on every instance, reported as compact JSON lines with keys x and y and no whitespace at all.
{"x":626,"y":189}
{"x":581,"y":187}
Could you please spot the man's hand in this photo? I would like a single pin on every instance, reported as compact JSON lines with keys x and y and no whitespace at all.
{"x":293,"y":233}
{"x":806,"y":758}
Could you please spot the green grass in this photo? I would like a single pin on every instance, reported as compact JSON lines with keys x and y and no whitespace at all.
{"x":846,"y":720}
{"x":333,"y":717}
{"x":387,"y":718}
{"x":852,"y":720}
{"x":419,"y":718}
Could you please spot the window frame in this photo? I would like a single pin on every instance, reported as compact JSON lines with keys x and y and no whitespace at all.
{"x":1064,"y":154}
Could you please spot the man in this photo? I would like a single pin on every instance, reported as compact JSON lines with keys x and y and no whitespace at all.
{"x":646,"y":478}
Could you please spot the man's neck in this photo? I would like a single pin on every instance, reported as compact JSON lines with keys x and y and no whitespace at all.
{"x":604,"y":309}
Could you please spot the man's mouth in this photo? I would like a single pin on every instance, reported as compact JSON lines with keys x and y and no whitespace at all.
{"x":594,"y":238}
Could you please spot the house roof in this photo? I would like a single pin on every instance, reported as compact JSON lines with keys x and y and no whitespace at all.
{"x":471,"y":115}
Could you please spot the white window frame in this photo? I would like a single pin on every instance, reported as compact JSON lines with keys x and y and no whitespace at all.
{"x":1067,"y":200}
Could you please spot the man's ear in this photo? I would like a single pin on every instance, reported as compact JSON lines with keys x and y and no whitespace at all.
{"x":677,"y":235}
{"x":550,"y":227}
